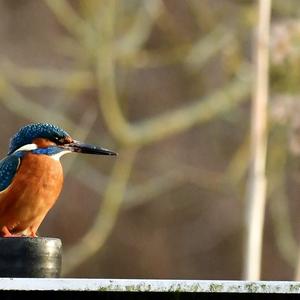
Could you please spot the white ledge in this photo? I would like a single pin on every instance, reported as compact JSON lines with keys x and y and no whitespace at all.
{"x":149,"y":285}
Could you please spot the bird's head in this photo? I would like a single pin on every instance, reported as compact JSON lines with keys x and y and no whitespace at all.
{"x":44,"y":138}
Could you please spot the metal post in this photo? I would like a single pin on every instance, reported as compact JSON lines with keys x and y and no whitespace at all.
{"x":30,"y":257}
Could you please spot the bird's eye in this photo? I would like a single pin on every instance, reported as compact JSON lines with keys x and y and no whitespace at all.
{"x":59,"y":140}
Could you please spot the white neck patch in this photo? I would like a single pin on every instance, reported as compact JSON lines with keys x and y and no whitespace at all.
{"x":58,"y":155}
{"x":27,"y":147}
{"x":30,"y":147}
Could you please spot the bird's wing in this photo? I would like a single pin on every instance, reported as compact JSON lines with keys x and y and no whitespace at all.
{"x":8,"y":169}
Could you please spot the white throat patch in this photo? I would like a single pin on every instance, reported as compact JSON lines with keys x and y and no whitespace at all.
{"x":58,"y":155}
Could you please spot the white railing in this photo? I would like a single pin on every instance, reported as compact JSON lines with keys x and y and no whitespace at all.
{"x":146,"y":285}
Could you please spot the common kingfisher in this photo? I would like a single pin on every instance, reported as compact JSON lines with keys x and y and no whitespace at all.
{"x":31,"y":176}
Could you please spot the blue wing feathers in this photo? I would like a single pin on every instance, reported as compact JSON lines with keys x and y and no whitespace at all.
{"x":8,"y":169}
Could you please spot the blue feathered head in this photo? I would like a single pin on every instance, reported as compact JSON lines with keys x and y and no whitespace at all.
{"x":28,"y":133}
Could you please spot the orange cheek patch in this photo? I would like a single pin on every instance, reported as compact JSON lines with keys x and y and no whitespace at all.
{"x":43,"y":143}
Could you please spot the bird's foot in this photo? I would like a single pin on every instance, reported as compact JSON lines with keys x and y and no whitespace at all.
{"x":31,"y":232}
{"x":33,"y":235}
{"x":4,"y":232}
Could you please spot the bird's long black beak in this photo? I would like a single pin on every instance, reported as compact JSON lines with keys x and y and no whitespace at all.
{"x":79,"y":147}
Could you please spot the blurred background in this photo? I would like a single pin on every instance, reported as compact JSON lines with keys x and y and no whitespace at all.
{"x":167,"y":84}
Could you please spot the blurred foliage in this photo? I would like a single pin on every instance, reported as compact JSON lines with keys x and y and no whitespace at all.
{"x":285,"y":57}
{"x":167,"y":84}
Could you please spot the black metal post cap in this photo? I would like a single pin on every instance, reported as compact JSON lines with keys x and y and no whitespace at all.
{"x":30,"y":257}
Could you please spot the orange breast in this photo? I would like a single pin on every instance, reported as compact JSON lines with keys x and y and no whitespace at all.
{"x":32,"y":193}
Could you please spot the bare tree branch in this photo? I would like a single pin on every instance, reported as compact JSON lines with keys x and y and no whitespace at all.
{"x":256,"y":196}
{"x":20,"y":105}
{"x":75,"y":80}
{"x":94,"y":239}
{"x":67,"y":16}
{"x":165,"y":124}
{"x":139,"y":32}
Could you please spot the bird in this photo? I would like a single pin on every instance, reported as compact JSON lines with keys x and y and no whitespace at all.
{"x":31,"y":176}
